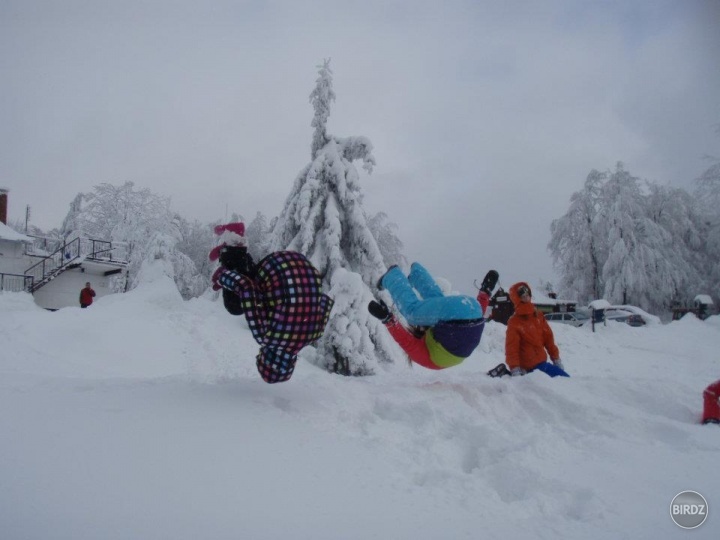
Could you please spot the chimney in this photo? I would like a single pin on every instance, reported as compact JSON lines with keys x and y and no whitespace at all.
{"x":3,"y":205}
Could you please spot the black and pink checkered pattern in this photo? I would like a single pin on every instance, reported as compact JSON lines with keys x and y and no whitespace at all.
{"x":275,"y":365}
{"x":285,"y":306}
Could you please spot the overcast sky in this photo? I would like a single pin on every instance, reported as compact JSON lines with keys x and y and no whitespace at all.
{"x":485,"y":116}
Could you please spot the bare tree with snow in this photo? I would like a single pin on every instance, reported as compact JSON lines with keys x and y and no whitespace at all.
{"x":139,"y":219}
{"x":577,"y":249}
{"x":72,"y":225}
{"x":635,"y":268}
{"x":707,"y":195}
{"x":680,"y":240}
{"x":385,"y":232}
{"x":631,"y":242}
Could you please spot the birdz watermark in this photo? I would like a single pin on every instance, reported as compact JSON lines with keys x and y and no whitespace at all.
{"x":689,"y":509}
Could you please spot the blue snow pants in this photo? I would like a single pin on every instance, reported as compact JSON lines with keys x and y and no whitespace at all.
{"x":551,"y":369}
{"x":431,"y":306}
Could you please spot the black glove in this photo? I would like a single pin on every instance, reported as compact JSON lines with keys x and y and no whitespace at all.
{"x":232,"y":303}
{"x":379,"y":310}
{"x":489,"y":282}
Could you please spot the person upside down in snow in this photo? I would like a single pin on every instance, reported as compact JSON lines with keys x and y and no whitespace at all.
{"x":444,"y":329}
{"x":281,"y":298}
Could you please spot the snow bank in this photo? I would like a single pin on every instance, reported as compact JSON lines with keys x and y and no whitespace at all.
{"x":144,"y":417}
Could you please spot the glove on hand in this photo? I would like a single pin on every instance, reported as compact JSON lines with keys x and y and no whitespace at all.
{"x":489,"y":281}
{"x":215,"y":279}
{"x":517,"y":372}
{"x":235,"y":258}
{"x":559,"y":364}
{"x":380,"y":311}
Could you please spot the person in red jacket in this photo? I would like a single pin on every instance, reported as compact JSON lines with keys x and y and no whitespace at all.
{"x":86,"y":295}
{"x":529,"y":336}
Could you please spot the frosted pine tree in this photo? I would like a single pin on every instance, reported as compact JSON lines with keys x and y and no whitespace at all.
{"x":323,"y":218}
{"x":72,"y":225}
{"x":258,"y":236}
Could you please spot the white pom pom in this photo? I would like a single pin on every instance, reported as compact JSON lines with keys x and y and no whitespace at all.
{"x":232,"y":239}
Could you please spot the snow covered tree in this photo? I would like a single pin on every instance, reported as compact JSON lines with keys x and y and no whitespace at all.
{"x":625,"y":270}
{"x":258,"y":237}
{"x":138,"y":219}
{"x":196,"y":239}
{"x":707,"y":195}
{"x":323,"y":218}
{"x":321,"y":97}
{"x":124,"y":214}
{"x":675,"y":212}
{"x":163,"y":246}
{"x":630,"y":242}
{"x":385,"y":232}
{"x":643,"y":266}
{"x":548,"y":288}
{"x":73,"y":226}
{"x":578,"y":251}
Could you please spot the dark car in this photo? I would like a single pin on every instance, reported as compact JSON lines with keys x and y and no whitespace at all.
{"x":635,"y":320}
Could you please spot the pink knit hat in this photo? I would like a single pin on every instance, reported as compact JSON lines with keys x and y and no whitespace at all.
{"x":231,"y":234}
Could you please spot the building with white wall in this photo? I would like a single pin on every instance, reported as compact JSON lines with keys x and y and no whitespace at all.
{"x":55,"y":272}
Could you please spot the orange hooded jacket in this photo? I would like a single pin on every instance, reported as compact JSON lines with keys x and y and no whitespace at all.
{"x":528,"y":335}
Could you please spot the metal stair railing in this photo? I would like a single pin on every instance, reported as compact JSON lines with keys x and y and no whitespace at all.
{"x":67,"y":256}
{"x":99,"y":250}
{"x":54,"y":264}
{"x":15,"y":282}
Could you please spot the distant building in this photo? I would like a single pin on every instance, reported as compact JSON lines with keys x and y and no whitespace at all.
{"x":54,"y":271}
{"x":703,"y":307}
{"x":552,"y":304}
{"x":503,"y":308}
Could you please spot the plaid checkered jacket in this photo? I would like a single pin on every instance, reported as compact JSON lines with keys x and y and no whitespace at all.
{"x":284,"y":306}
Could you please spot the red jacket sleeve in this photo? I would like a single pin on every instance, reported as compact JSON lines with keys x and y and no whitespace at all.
{"x":415,"y":347}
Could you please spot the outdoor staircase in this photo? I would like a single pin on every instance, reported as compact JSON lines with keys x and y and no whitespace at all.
{"x":67,"y":256}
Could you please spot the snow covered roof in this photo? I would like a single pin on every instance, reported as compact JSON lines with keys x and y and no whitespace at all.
{"x":599,"y":304}
{"x":6,"y":233}
{"x":704,"y":299}
{"x":541,"y":298}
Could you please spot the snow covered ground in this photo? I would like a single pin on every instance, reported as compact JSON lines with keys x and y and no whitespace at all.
{"x":143,"y":418}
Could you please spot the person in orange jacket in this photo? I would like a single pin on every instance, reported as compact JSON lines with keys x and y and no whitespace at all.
{"x":529,"y":336}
